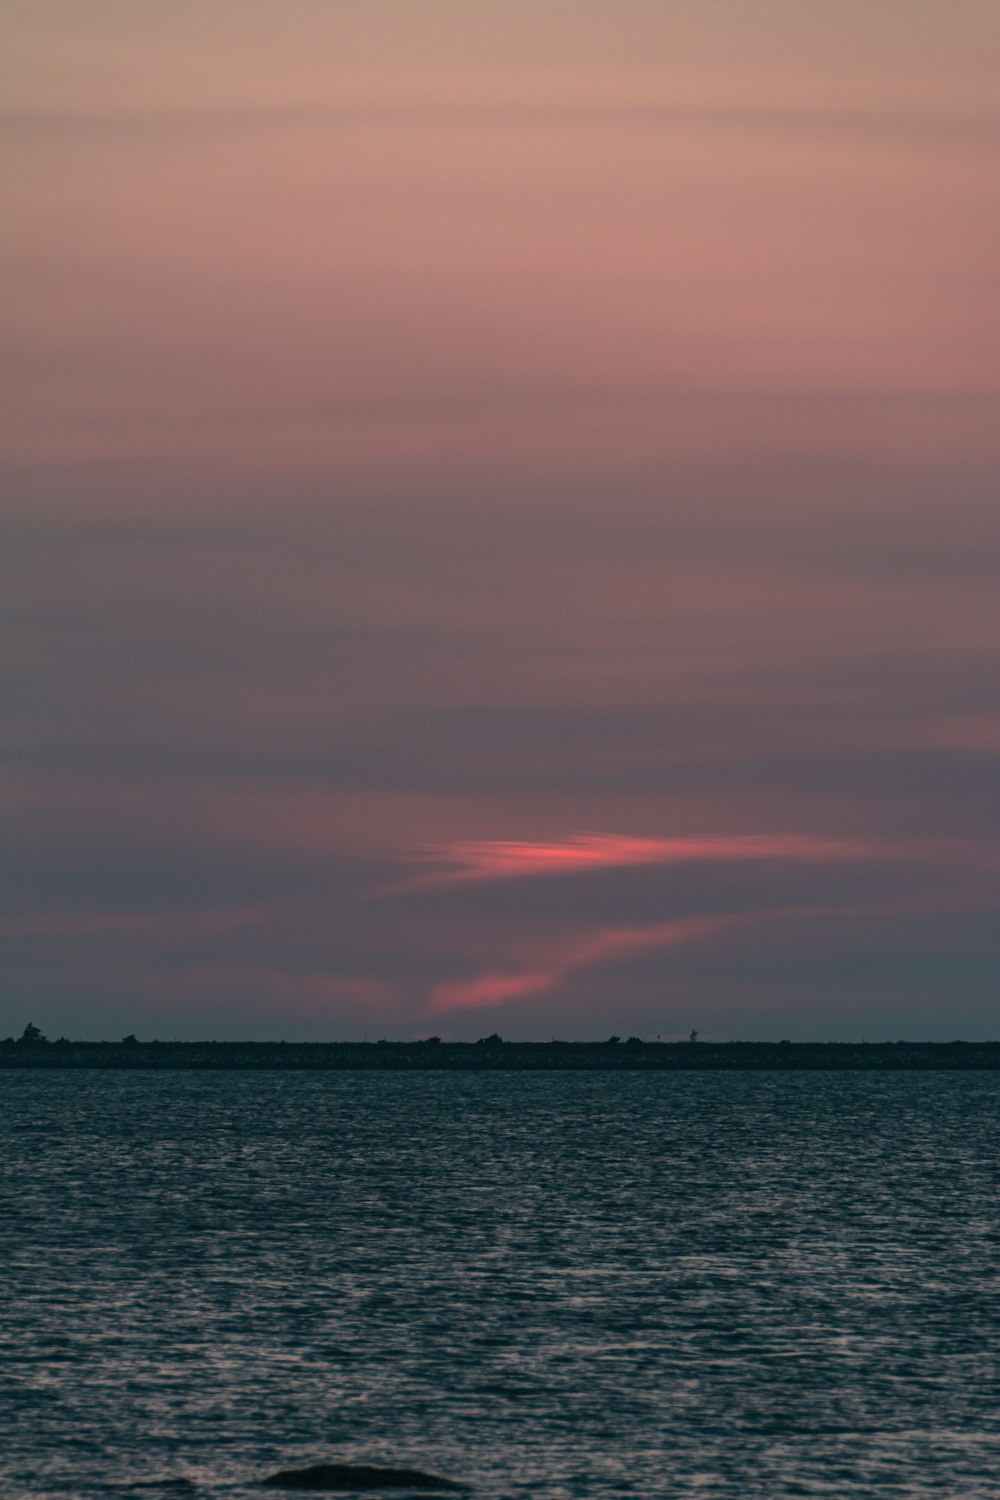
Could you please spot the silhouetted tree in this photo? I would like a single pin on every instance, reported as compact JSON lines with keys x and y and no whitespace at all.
{"x":693,"y":1037}
{"x":130,"y":1040}
{"x":493,"y":1040}
{"x":32,"y":1035}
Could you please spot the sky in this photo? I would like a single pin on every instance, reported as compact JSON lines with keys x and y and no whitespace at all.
{"x":499,"y":519}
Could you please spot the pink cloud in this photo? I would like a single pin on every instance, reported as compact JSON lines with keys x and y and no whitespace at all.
{"x":500,"y":859}
{"x":496,"y":987}
{"x":491,"y":989}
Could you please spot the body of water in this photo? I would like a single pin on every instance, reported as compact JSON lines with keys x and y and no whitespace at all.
{"x":565,"y":1285}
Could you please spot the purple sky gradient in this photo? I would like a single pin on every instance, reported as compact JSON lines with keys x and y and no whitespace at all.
{"x":499,"y":522}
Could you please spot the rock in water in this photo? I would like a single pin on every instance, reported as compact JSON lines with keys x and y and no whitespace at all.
{"x":358,"y":1477}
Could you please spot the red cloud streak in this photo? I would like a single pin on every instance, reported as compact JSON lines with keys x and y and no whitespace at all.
{"x":500,"y":859}
{"x":610,"y":942}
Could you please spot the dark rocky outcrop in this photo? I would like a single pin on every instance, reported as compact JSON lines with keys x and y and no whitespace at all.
{"x":358,"y":1477}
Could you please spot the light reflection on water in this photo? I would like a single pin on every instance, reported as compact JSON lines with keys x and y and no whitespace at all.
{"x":712,"y":1285}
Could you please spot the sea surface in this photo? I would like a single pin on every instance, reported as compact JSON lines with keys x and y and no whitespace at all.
{"x":717,"y":1285}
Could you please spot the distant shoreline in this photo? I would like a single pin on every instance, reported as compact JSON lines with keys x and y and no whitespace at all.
{"x":496,"y":1056}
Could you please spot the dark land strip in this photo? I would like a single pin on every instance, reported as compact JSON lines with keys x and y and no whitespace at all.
{"x":493,"y":1055}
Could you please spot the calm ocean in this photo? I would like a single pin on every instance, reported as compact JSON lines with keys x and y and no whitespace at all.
{"x":713,"y":1285}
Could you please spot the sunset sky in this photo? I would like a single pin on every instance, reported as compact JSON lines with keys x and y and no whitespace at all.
{"x":499,"y":518}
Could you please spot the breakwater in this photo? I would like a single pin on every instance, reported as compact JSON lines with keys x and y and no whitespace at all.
{"x":491,"y":1054}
